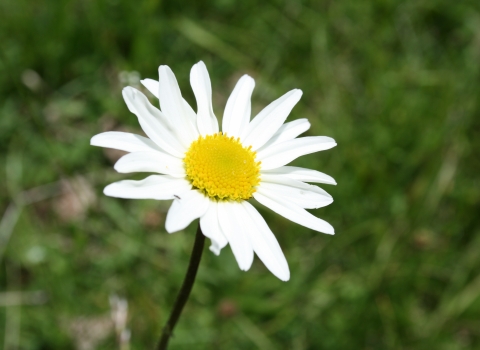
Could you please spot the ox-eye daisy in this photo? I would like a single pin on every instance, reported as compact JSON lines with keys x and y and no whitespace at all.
{"x":212,"y":174}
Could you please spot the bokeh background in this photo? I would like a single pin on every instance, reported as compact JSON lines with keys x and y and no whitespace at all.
{"x":396,"y":83}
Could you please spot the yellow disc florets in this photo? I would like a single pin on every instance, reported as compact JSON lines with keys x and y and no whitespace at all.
{"x":222,"y":168}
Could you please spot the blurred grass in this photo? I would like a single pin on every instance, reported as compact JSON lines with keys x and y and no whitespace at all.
{"x":396,"y":83}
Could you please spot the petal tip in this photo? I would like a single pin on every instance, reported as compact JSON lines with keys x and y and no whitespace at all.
{"x":129,"y":93}
{"x":284,"y":278}
{"x":170,"y":229}
{"x":108,"y":190}
{"x":164,"y":69}
{"x":214,"y":250}
{"x":118,"y":166}
{"x":247,"y":78}
{"x":94,"y":140}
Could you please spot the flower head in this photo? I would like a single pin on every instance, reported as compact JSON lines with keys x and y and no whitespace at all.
{"x":211,"y":174}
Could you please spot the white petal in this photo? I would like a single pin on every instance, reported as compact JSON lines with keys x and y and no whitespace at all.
{"x":229,"y":216}
{"x":156,"y":162}
{"x":186,"y":208}
{"x":211,"y":228}
{"x":153,"y":187}
{"x":293,"y":212}
{"x":202,"y":88}
{"x":124,"y":141}
{"x":237,"y":111}
{"x":300,"y":193}
{"x":301,"y":174}
{"x":151,"y":85}
{"x":173,"y":106}
{"x":154,"y":86}
{"x":153,"y":122}
{"x":283,"y":153}
{"x":287,"y":131}
{"x":270,"y":119}
{"x":264,"y":243}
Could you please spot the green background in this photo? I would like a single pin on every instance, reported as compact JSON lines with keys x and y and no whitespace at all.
{"x":396,"y":83}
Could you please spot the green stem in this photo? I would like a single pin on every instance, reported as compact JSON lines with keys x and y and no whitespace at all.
{"x":184,"y":292}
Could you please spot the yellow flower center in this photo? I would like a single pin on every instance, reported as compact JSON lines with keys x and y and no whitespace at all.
{"x":222,"y":168}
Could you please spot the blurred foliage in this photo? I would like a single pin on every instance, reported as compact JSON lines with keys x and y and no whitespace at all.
{"x":396,"y":83}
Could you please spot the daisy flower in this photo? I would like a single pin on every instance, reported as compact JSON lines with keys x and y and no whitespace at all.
{"x":211,"y":174}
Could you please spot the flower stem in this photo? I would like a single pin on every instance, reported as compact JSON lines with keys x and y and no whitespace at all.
{"x":184,"y":292}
